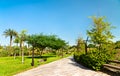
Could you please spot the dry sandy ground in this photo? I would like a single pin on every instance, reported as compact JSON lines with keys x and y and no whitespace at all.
{"x":63,"y":67}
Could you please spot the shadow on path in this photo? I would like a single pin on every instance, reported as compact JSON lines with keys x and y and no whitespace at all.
{"x":78,"y":65}
{"x":103,"y":70}
{"x":110,"y":72}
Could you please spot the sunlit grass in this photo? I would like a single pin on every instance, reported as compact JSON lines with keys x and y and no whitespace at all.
{"x":10,"y":66}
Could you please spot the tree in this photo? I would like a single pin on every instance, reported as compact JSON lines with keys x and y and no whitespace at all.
{"x":117,"y":45}
{"x":57,"y":43}
{"x":42,"y":41}
{"x":100,"y":32}
{"x":33,"y":40}
{"x":22,"y":38}
{"x":16,"y":40}
{"x":80,"y":44}
{"x":10,"y":33}
{"x":16,"y":50}
{"x":91,"y":46}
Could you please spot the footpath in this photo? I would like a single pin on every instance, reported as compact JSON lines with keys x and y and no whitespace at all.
{"x":63,"y":67}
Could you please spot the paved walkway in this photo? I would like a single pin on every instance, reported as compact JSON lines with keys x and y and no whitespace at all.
{"x":63,"y":67}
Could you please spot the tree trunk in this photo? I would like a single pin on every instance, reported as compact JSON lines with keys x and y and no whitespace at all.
{"x":22,"y":56}
{"x":85,"y":48}
{"x":10,"y":46}
{"x":41,"y":52}
{"x":14,"y":55}
{"x":10,"y":41}
{"x":62,"y":53}
{"x":22,"y":52}
{"x":17,"y":44}
{"x":86,"y":45}
{"x":32,"y":64}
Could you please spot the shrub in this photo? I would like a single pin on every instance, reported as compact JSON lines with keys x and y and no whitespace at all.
{"x":77,"y":55}
{"x":94,"y":59}
{"x":4,"y":53}
{"x":45,"y":59}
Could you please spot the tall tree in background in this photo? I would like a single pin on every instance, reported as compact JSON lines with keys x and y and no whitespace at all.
{"x":17,"y":40}
{"x":100,"y":31}
{"x":22,"y":38}
{"x":10,"y":33}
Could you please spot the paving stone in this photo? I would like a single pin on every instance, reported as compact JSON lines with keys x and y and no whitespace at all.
{"x":63,"y":67}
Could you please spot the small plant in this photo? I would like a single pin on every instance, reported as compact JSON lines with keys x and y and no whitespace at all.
{"x":45,"y":59}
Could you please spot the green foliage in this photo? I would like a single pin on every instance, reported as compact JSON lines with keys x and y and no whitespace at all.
{"x":4,"y":53}
{"x":117,"y":44}
{"x":8,"y":63}
{"x":94,"y":59}
{"x":100,"y":35}
{"x":17,"y":40}
{"x":80,"y":44}
{"x":77,"y":55}
{"x":1,"y":47}
{"x":22,"y":37}
{"x":10,"y":33}
{"x":91,"y":46}
{"x":43,"y":41}
{"x":100,"y":30}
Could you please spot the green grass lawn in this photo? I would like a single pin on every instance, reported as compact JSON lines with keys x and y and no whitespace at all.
{"x":10,"y":66}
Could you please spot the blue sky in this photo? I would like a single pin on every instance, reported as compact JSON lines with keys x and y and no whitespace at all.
{"x":66,"y":18}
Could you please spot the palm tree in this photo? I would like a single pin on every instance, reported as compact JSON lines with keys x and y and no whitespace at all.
{"x":10,"y":33}
{"x":17,"y":40}
{"x":22,"y":38}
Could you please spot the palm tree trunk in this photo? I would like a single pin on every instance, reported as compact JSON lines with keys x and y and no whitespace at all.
{"x":22,"y":56}
{"x":22,"y":52}
{"x":10,"y":41}
{"x":10,"y":45}
{"x":32,"y":64}
{"x":14,"y":55}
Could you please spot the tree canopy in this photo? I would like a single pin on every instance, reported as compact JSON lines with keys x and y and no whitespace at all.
{"x":43,"y":41}
{"x":10,"y":33}
{"x":100,"y":31}
{"x":80,"y":44}
{"x":117,"y":44}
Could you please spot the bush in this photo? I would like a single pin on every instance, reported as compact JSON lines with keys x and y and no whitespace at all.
{"x":94,"y":59}
{"x":45,"y":59}
{"x":77,"y":55}
{"x":4,"y":53}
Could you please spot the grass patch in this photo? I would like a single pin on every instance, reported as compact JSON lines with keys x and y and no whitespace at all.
{"x":10,"y":66}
